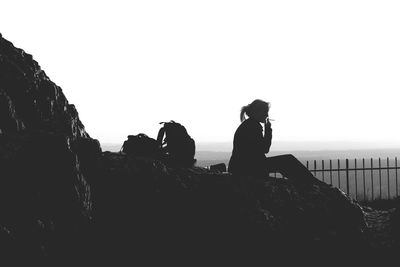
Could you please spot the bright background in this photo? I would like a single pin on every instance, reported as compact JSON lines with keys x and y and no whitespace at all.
{"x":331,"y":69}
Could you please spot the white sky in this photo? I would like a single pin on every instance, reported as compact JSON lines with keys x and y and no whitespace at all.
{"x":331,"y":69}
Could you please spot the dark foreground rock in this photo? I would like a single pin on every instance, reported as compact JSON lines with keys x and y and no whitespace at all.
{"x":45,"y":201}
{"x":178,"y":213}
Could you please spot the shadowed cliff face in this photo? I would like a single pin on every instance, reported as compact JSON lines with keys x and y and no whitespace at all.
{"x":29,"y":100}
{"x":45,"y":199}
{"x":63,"y":202}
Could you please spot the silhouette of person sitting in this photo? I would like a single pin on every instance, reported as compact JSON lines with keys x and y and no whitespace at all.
{"x":250,"y":144}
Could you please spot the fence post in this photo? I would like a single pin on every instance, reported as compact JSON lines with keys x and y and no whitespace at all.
{"x":338,"y":162}
{"x":380,"y":179}
{"x":347,"y":177}
{"x":323,"y":170}
{"x":315,"y":168}
{"x":372,"y":178}
{"x":388,"y":180}
{"x":397,"y":188}
{"x":355,"y":177}
{"x":330,"y":170}
{"x":363,"y":162}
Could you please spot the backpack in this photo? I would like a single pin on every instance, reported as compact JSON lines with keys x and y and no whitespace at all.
{"x":177,"y":147}
{"x":141,"y":145}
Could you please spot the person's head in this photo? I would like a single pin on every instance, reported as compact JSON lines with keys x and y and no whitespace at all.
{"x":257,"y":110}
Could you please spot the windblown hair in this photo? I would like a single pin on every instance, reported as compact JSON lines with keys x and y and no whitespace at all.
{"x":249,"y":109}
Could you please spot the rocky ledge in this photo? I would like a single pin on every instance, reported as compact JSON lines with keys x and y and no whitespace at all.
{"x":64,"y":202}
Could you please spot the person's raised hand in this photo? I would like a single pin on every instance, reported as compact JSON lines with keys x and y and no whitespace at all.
{"x":267,"y":123}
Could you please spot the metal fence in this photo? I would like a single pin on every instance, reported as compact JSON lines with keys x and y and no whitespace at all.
{"x":361,"y":179}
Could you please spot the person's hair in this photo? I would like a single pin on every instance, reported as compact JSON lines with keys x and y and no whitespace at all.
{"x":249,"y":109}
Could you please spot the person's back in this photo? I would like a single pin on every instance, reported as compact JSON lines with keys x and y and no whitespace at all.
{"x":248,"y":155}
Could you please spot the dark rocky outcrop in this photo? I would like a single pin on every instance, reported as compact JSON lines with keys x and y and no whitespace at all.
{"x":30,"y":100}
{"x":192,"y":212}
{"x":64,"y":202}
{"x":45,"y":199}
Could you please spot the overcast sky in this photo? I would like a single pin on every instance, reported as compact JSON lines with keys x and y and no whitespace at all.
{"x":331,"y":69}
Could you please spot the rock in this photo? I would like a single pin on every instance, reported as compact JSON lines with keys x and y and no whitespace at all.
{"x":44,"y":198}
{"x":88,"y":152}
{"x":204,"y":211}
{"x":45,"y":153}
{"x":29,"y":100}
{"x":317,"y":212}
{"x":395,"y":223}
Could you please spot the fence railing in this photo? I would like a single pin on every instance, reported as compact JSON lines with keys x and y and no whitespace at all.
{"x":361,"y":179}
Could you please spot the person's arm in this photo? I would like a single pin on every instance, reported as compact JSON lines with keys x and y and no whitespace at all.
{"x":251,"y":141}
{"x":267,"y":138}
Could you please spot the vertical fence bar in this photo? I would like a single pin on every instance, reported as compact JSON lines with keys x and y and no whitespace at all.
{"x":388,"y":179}
{"x":323,"y":170}
{"x":330,"y":170}
{"x":307,"y":164}
{"x":338,"y":162}
{"x":355,"y":177}
{"x":397,"y":187}
{"x":372,"y":178}
{"x":315,"y":168}
{"x":347,"y":177}
{"x":380,"y":179}
{"x":363,"y":163}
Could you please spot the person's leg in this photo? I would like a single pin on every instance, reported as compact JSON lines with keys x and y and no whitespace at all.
{"x":290,"y":167}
